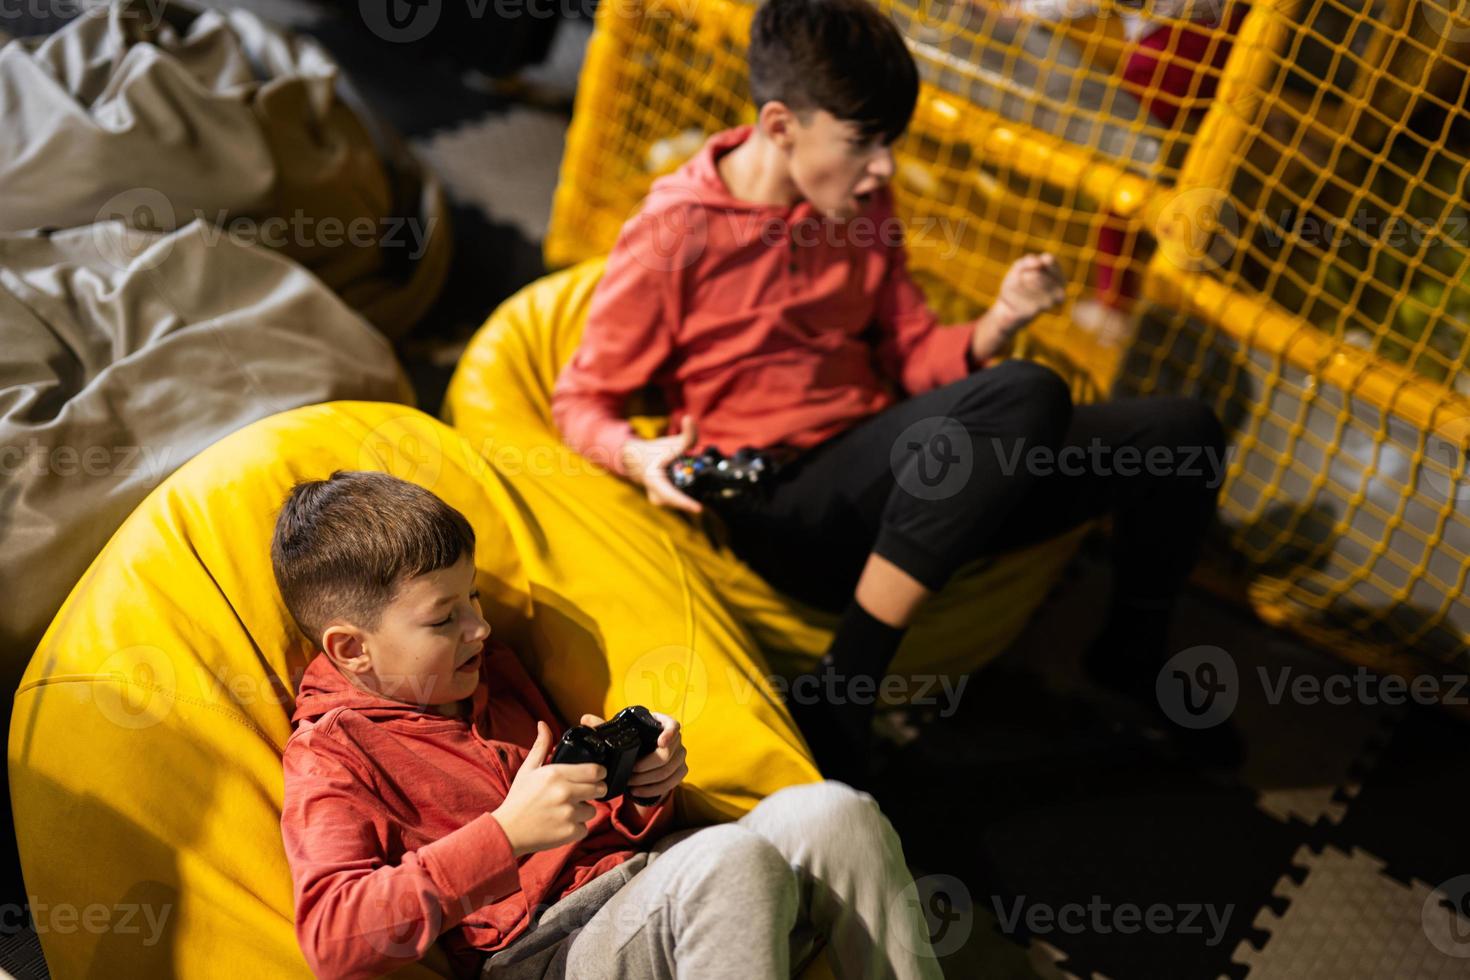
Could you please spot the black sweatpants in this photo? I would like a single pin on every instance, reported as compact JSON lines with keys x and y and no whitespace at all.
{"x":997,"y":460}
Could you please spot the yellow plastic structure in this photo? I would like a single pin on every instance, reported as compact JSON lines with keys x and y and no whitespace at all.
{"x":1302,"y":259}
{"x":500,"y":400}
{"x":145,"y":744}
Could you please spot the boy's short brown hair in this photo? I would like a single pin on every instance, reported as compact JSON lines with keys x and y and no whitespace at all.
{"x":844,"y":56}
{"x":343,"y":546}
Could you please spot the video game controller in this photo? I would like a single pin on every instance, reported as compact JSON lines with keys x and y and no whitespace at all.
{"x":713,"y":477}
{"x":615,"y":745}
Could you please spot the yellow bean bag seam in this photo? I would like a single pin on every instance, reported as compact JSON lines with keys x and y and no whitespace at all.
{"x":684,"y":591}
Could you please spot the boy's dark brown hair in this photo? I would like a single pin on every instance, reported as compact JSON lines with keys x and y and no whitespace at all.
{"x":844,"y":56}
{"x":344,"y":546}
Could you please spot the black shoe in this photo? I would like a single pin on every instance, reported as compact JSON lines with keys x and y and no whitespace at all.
{"x":1127,"y":676}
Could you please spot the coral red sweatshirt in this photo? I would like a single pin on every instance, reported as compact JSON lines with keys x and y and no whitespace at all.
{"x":388,"y":830}
{"x":753,"y":318}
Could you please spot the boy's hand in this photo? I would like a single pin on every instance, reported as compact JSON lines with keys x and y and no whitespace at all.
{"x":661,"y":770}
{"x":646,"y":462}
{"x":547,"y":805}
{"x":1032,"y":285}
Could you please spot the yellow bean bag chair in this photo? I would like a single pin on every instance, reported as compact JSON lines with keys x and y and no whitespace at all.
{"x":500,"y":399}
{"x":145,"y":744}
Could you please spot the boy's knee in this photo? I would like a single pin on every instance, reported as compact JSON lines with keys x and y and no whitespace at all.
{"x":739,"y":859}
{"x":1206,"y":425}
{"x":717,"y":875}
{"x":1033,"y":376}
{"x":834,"y":811}
{"x":1190,"y":434}
{"x":1037,"y":400}
{"x":1188,"y":425}
{"x":1025,"y":379}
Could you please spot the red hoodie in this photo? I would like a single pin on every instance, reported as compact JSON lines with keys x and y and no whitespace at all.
{"x":388,"y":830}
{"x":753,"y":318}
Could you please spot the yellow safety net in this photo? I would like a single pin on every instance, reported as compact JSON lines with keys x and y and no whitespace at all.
{"x":1267,"y":198}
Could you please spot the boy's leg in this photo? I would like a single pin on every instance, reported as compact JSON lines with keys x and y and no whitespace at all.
{"x":720,"y":902}
{"x":912,"y":486}
{"x":1155,"y":464}
{"x":814,"y":533}
{"x":744,"y":900}
{"x":1006,"y":429}
{"x":855,"y":887}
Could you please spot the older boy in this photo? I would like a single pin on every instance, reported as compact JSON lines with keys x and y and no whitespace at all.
{"x":745,"y":292}
{"x":420,"y":804}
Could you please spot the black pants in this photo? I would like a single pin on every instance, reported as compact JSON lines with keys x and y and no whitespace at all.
{"x":995,"y":461}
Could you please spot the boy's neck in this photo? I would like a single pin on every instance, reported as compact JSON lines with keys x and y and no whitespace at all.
{"x":449,"y":709}
{"x":452,"y":709}
{"x":756,"y":172}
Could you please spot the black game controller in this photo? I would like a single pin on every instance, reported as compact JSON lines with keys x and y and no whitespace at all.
{"x":615,"y":745}
{"x":713,"y":477}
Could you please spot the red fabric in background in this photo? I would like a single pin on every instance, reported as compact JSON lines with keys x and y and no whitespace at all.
{"x":1166,"y":74}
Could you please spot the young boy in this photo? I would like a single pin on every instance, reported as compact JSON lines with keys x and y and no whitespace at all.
{"x":420,"y":804}
{"x":764,"y":288}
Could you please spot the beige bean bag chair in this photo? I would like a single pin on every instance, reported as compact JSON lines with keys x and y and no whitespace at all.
{"x":159,"y":115}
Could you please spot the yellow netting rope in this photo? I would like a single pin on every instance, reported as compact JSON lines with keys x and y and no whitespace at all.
{"x":1281,"y":191}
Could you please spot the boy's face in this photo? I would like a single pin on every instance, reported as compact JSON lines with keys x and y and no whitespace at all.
{"x":833,"y":165}
{"x":426,"y":649}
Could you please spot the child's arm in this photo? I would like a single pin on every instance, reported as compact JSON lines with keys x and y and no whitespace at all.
{"x":626,"y":339}
{"x":1032,"y":285}
{"x":356,"y":915}
{"x":645,"y":462}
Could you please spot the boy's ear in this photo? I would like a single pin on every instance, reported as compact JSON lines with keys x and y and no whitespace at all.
{"x":342,"y":643}
{"x":777,"y":121}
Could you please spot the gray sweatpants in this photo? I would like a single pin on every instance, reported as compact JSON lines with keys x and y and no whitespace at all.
{"x":811,"y":864}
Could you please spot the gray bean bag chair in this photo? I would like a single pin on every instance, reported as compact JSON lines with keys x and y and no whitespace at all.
{"x":122,"y":355}
{"x":158,"y":116}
